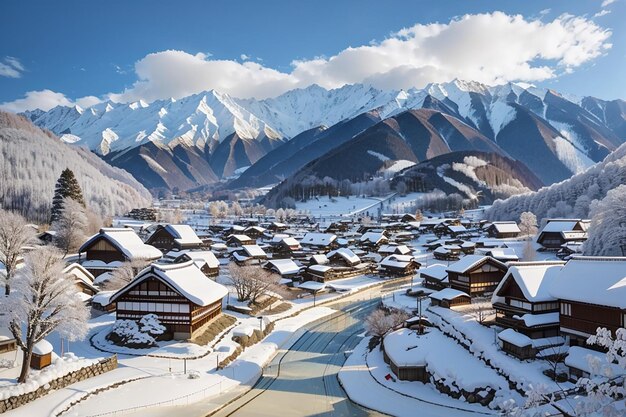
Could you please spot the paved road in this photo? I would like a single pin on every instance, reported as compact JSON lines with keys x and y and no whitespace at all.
{"x":303,"y":380}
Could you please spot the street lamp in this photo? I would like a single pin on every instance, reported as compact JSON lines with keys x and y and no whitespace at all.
{"x":420,"y":293}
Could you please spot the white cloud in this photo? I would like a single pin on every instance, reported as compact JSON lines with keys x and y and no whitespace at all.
{"x":490,"y":48}
{"x":11,"y":67}
{"x":602,"y":13}
{"x":46,"y":100}
{"x":244,"y":57}
{"x":607,"y":2}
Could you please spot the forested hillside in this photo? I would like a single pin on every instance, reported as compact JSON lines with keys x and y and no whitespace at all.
{"x":32,"y":159}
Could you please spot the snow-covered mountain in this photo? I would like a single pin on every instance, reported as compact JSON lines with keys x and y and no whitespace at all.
{"x":579,"y":131}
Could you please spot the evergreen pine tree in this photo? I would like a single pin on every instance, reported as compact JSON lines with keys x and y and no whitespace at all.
{"x":66,"y":186}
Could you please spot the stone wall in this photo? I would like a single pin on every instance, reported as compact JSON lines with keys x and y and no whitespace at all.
{"x":101,"y":367}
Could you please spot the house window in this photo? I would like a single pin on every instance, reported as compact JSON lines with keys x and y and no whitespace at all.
{"x":521,"y":304}
{"x":623,"y":319}
{"x":566,"y":309}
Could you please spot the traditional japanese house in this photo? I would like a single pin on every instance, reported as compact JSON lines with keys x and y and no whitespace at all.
{"x":455,"y":231}
{"x":591,"y":293}
{"x":286,"y":268}
{"x":286,"y":247}
{"x":524,"y":304}
{"x":343,"y":257}
{"x":337,"y":227}
{"x":435,"y":276}
{"x":318,"y":273}
{"x":254,"y":232}
{"x":174,"y":236}
{"x":203,"y":259}
{"x":503,"y":230}
{"x":249,"y":254}
{"x":502,"y":254}
{"x":239,"y":240}
{"x":106,"y":250}
{"x":182,"y":297}
{"x":373,"y":240}
{"x":319,"y":241}
{"x":448,"y":253}
{"x":476,"y":275}
{"x":399,"y":265}
{"x":83,"y":280}
{"x":277,"y":227}
{"x":557,"y":232}
{"x":394,"y":249}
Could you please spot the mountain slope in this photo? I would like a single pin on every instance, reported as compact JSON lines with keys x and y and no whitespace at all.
{"x":581,"y":131}
{"x":570,"y":198}
{"x":32,"y":160}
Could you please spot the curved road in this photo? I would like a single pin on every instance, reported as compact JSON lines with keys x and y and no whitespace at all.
{"x":303,"y":380}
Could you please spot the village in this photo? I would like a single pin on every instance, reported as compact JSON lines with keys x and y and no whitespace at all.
{"x":469,"y":315}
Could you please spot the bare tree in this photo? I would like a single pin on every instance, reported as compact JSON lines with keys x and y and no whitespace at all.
{"x":252,"y":282}
{"x":481,"y":310}
{"x":70,"y":226}
{"x":124,"y":274}
{"x":43,"y":300}
{"x":15,"y":234}
{"x":378,"y":323}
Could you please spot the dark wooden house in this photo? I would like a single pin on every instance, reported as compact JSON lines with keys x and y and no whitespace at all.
{"x":476,"y":275}
{"x":435,"y":276}
{"x":523,"y":303}
{"x":174,"y":236}
{"x":106,"y":250}
{"x":399,"y":265}
{"x":503,"y":230}
{"x":591,"y":293}
{"x":181,"y":296}
{"x":204,"y":259}
{"x":239,"y":240}
{"x":557,"y":232}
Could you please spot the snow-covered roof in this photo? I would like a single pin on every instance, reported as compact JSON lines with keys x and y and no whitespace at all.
{"x":241,"y":238}
{"x":320,"y":259}
{"x":594,"y":280}
{"x":318,"y":239}
{"x":81,"y":274}
{"x":402,"y":249}
{"x":401,"y":347}
{"x":559,"y":226}
{"x":43,"y":347}
{"x":515,"y":338}
{"x":506,"y":227}
{"x":285,"y":266}
{"x":201,"y":255}
{"x":585,"y":359}
{"x":185,"y":278}
{"x":470,"y":261}
{"x":448,"y":294}
{"x":531,"y":320}
{"x":254,"y":251}
{"x":437,"y":271}
{"x":533,"y":278}
{"x":320,"y":268}
{"x":126,"y":241}
{"x":373,"y":237}
{"x":457,"y":229}
{"x":312,"y":286}
{"x":290,"y":241}
{"x":346,"y":254}
{"x":398,"y":261}
{"x":183,"y":234}
{"x":102,"y":298}
{"x":501,"y":254}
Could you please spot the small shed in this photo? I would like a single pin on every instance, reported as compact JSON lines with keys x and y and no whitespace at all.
{"x":42,"y":355}
{"x":449,"y":297}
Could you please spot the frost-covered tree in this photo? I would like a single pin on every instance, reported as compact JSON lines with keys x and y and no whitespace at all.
{"x":15,"y":235}
{"x":71,"y":226}
{"x":251,"y":282}
{"x":607,"y":233}
{"x":528,"y":223}
{"x":66,"y":187}
{"x":124,"y":274}
{"x":43,"y":300}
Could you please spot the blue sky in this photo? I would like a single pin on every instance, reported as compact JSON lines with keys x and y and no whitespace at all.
{"x":63,"y":51}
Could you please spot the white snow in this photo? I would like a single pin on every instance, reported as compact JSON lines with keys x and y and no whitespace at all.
{"x":127,"y":241}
